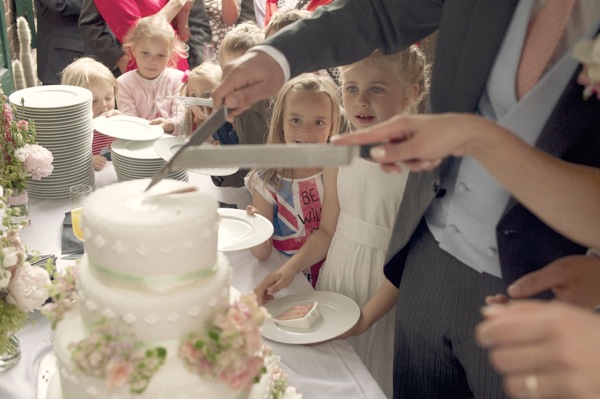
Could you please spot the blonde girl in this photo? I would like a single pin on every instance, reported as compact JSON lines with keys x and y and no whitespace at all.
{"x":359,"y":210}
{"x":144,"y":92}
{"x":96,"y":77}
{"x":306,"y":110}
{"x":200,"y":82}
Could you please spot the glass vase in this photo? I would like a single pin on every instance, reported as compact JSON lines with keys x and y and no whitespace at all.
{"x":11,"y":355}
{"x":18,"y":202}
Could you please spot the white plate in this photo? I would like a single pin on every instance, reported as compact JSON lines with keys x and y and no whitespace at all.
{"x":338,"y":314}
{"x":166,"y":147}
{"x":205,"y":102}
{"x":51,"y":96}
{"x":127,"y":127}
{"x":238,"y":230}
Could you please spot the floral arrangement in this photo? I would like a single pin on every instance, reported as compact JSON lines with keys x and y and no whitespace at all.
{"x":23,"y":287}
{"x":281,"y":388}
{"x":21,"y":159}
{"x":230,"y":350}
{"x":63,"y":293}
{"x":112,"y":352}
{"x":588,"y":52}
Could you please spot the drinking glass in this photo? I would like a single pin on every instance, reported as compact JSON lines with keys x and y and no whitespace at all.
{"x":78,"y":194}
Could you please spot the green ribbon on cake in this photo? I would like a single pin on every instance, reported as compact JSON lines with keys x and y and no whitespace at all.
{"x":155,"y":280}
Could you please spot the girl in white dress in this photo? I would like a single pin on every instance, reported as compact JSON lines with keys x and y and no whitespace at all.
{"x":358,"y":217}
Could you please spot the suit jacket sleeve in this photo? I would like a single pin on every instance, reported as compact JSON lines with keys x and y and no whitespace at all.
{"x":349,"y":30}
{"x":200,"y":33}
{"x":98,"y":35}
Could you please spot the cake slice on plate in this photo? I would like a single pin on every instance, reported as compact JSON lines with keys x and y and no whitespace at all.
{"x":299,"y":316}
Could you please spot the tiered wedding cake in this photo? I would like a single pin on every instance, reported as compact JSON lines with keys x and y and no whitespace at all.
{"x":152,"y":318}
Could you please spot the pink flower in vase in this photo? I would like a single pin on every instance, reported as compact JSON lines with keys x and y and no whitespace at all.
{"x":39,"y":161}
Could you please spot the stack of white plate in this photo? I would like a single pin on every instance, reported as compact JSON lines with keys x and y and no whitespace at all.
{"x":138,"y":160}
{"x":64,"y":125}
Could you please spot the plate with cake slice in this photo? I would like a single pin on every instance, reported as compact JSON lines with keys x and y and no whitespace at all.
{"x":310,"y":317}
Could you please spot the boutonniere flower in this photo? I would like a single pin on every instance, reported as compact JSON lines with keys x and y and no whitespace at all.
{"x":588,"y":52}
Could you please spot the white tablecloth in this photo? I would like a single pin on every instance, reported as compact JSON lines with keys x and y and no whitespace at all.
{"x":327,"y":370}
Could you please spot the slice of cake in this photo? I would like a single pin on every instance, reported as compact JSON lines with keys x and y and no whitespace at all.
{"x":299,"y":316}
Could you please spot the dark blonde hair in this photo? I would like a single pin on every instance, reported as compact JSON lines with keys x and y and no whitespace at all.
{"x":410,"y":66}
{"x":155,"y":27}
{"x":241,"y":39}
{"x":208,"y":70}
{"x":308,"y":83}
{"x":87,"y":72}
{"x":282,"y":19}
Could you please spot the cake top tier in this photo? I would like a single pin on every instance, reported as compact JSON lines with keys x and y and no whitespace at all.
{"x":171,"y":201}
{"x":168,"y":231}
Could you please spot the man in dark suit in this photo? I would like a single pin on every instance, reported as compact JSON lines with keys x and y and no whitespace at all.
{"x":459,"y":236}
{"x":58,"y":39}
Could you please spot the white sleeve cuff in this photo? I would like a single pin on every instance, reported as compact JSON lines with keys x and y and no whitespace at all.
{"x":593,"y":252}
{"x":277,"y":56}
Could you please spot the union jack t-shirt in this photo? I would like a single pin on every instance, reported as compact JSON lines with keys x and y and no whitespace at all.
{"x":296,"y":212}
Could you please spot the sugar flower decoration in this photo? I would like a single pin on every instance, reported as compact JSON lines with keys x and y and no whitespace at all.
{"x":230,"y":350}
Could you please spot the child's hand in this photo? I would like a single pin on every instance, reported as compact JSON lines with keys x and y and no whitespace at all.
{"x":271,"y":284}
{"x":166,"y":124}
{"x":98,"y":161}
{"x":250,"y":210}
{"x":200,"y":113}
{"x":110,"y":113}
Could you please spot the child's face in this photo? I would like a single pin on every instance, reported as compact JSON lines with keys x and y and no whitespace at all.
{"x":307,"y":117}
{"x":200,"y":87}
{"x":371,"y":94}
{"x":103,"y":97}
{"x":151,"y":56}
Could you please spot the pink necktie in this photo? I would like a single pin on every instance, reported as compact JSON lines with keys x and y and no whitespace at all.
{"x":543,"y":35}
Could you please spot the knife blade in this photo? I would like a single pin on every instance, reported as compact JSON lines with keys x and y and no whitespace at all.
{"x":270,"y":155}
{"x":199,"y":136}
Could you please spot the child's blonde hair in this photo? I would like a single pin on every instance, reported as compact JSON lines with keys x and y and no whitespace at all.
{"x":207,"y":70}
{"x":241,"y":39}
{"x":284,"y":18}
{"x":155,"y":27}
{"x":308,"y":83}
{"x":410,"y":66}
{"x":87,"y":72}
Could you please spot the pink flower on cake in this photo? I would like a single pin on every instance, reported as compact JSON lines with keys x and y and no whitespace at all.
{"x":118,"y":372}
{"x":240,"y":376}
{"x":63,"y":293}
{"x":112,"y":352}
{"x":588,"y":52}
{"x":230,"y":350}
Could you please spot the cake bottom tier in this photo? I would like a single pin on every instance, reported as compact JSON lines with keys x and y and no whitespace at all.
{"x":172,"y":381}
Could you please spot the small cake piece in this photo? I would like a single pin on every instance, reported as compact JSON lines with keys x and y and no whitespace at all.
{"x":299,"y":316}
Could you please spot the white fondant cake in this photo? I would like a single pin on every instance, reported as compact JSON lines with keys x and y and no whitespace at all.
{"x":151,"y":268}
